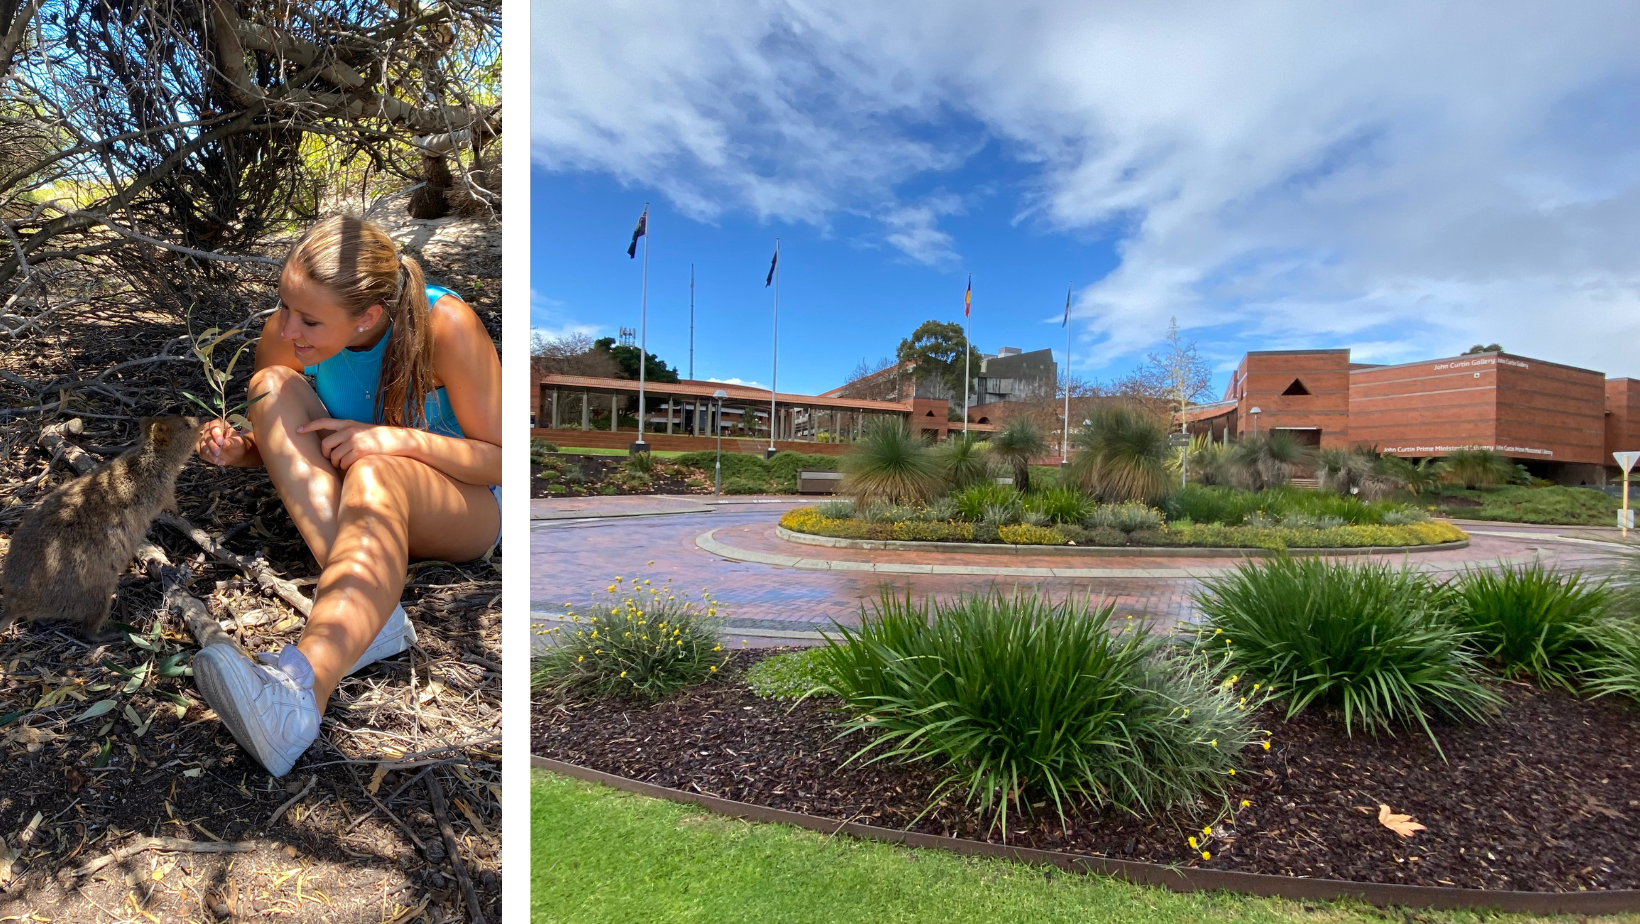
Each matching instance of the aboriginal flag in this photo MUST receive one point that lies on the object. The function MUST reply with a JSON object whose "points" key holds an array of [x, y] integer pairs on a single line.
{"points": [[639, 231]]}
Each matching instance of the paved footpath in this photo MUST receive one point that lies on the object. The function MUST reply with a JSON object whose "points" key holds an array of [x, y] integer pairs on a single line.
{"points": [[770, 589]]}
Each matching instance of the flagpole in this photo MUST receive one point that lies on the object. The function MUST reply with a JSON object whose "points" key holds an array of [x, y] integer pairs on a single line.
{"points": [[967, 348], [691, 321], [643, 326], [1065, 438], [774, 378]]}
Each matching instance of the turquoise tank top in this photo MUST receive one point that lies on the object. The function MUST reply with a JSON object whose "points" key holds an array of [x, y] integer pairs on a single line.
{"points": [[347, 383]]}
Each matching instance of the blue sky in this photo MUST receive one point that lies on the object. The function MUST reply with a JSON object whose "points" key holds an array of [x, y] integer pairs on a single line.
{"points": [[1397, 178]]}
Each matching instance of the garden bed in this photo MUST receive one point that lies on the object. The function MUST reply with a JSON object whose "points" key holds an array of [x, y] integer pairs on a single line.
{"points": [[1542, 800], [1231, 539]]}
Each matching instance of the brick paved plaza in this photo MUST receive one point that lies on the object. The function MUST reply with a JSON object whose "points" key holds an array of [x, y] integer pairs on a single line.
{"points": [[773, 590]]}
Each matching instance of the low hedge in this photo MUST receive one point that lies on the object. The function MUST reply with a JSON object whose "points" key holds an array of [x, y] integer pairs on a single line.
{"points": [[1201, 535]]}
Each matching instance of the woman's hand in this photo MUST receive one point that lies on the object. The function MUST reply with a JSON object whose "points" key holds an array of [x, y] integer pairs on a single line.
{"points": [[221, 444], [349, 440]]}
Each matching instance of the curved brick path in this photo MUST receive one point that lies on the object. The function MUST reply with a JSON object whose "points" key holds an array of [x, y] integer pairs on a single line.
{"points": [[578, 547]]}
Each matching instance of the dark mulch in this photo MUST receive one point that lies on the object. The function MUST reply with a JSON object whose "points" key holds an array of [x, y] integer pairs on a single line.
{"points": [[1547, 799]]}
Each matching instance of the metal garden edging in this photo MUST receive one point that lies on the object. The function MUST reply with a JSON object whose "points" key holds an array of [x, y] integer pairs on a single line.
{"points": [[1177, 879]]}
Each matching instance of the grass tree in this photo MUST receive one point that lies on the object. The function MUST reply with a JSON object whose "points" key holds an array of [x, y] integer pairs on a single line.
{"points": [[1269, 460], [1477, 468], [890, 464], [1018, 442], [964, 459], [1121, 455]]}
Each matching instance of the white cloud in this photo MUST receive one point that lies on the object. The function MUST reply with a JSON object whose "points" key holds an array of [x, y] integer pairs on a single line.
{"points": [[550, 318], [738, 381], [1409, 177]]}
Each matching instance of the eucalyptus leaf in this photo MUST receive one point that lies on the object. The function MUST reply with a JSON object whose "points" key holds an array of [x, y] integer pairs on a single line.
{"points": [[173, 666], [100, 707], [102, 756]]}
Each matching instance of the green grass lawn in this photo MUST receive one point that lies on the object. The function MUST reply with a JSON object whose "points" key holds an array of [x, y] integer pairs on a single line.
{"points": [[602, 855]]}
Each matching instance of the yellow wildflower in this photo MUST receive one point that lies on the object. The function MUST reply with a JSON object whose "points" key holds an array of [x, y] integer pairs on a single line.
{"points": [[1192, 843], [1206, 855], [1266, 745], [1207, 831], [1245, 803]]}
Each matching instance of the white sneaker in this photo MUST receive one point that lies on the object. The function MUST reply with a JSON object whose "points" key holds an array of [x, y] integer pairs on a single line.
{"points": [[394, 637], [269, 706]]}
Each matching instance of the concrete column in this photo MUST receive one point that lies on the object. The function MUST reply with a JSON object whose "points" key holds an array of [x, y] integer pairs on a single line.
{"points": [[614, 412], [586, 410], [555, 408], [668, 416]]}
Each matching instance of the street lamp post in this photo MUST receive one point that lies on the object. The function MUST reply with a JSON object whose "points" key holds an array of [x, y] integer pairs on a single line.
{"points": [[717, 424], [1254, 412]]}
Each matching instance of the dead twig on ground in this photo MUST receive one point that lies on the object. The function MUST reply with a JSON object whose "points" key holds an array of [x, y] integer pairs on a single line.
{"points": [[162, 843], [453, 849]]}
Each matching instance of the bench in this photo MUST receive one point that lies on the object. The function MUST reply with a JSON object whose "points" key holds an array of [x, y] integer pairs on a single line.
{"points": [[818, 482]]}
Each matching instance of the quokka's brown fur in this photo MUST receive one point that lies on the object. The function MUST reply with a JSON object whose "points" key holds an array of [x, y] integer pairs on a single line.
{"points": [[65, 559]]}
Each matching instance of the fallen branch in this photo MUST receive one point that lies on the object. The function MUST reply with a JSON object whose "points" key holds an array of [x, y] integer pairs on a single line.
{"points": [[453, 849], [279, 812], [174, 581], [53, 439], [254, 568], [162, 843]]}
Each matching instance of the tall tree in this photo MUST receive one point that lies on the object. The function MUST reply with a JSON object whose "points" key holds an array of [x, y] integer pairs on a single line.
{"points": [[1176, 374], [626, 359], [935, 349], [193, 125]]}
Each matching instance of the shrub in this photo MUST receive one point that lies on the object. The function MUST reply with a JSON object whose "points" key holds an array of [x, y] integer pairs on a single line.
{"points": [[808, 520], [640, 463], [836, 509], [1126, 517], [887, 513], [1121, 455], [891, 464], [1002, 514], [1531, 620], [1376, 641], [1029, 534], [965, 461], [785, 465], [735, 464], [789, 675], [1018, 442], [539, 449], [1021, 699], [972, 502], [640, 643], [941, 510], [1061, 505], [1556, 505], [741, 485]]}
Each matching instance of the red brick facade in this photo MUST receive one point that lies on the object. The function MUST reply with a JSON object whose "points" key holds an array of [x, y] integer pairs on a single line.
{"points": [[1563, 421]]}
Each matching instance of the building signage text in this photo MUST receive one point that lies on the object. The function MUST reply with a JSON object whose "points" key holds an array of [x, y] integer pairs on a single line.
{"points": [[1482, 361], [1425, 450]]}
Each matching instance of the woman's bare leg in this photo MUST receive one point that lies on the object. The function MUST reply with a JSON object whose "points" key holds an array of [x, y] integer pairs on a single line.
{"points": [[391, 508], [309, 485]]}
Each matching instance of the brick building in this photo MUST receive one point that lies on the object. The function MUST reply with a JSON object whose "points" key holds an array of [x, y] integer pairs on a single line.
{"points": [[1562, 422]]}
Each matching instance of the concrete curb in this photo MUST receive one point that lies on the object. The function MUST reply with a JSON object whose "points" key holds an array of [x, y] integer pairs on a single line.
{"points": [[708, 542], [1090, 551]]}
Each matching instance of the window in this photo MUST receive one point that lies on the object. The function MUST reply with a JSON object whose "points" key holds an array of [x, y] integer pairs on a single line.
{"points": [[1297, 388]]}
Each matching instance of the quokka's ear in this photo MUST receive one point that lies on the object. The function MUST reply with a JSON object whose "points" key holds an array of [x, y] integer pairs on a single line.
{"points": [[153, 430]]}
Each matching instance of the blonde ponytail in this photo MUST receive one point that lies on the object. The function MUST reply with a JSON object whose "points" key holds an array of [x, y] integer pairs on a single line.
{"points": [[356, 262]]}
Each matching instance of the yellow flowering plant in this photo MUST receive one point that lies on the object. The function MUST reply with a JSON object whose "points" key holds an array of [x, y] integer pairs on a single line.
{"points": [[651, 644]]}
